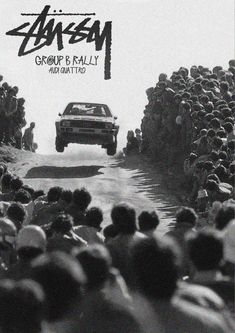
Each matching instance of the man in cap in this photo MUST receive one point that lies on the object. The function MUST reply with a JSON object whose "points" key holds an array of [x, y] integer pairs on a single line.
{"points": [[30, 243]]}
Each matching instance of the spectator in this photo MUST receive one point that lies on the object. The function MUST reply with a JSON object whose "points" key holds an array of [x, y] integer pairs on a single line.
{"points": [[80, 202], [90, 232], [148, 222], [206, 255], [21, 307], [63, 238], [186, 220], [124, 219], [62, 280], [30, 243], [28, 137], [17, 214], [158, 283]]}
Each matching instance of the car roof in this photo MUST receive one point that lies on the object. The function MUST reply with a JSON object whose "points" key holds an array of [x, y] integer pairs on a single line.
{"points": [[87, 103]]}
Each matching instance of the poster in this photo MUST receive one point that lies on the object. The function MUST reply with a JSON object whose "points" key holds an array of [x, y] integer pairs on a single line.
{"points": [[109, 52], [57, 53]]}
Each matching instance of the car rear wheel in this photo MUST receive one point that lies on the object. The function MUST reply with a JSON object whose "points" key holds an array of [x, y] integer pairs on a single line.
{"points": [[59, 145], [111, 149]]}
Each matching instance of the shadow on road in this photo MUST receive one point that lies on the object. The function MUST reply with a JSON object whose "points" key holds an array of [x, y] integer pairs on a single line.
{"points": [[153, 181], [64, 172]]}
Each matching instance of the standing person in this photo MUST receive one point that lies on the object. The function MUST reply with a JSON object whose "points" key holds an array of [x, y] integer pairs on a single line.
{"points": [[11, 108], [132, 146], [124, 219], [28, 137], [19, 123], [2, 113]]}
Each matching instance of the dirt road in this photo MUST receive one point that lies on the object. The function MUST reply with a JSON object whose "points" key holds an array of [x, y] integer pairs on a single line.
{"points": [[109, 180]]}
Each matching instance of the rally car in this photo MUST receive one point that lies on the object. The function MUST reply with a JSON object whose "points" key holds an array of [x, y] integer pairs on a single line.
{"points": [[87, 123]]}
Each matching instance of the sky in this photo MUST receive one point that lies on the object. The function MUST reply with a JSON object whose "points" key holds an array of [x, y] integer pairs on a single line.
{"points": [[148, 37]]}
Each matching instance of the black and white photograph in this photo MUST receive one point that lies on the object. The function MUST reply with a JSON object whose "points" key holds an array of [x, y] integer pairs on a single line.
{"points": [[117, 166]]}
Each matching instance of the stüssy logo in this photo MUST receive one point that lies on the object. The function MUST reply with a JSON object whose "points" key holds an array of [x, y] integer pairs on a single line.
{"points": [[43, 32]]}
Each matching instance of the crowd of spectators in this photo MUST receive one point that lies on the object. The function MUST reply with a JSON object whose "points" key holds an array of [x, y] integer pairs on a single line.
{"points": [[61, 270], [190, 117], [12, 119]]}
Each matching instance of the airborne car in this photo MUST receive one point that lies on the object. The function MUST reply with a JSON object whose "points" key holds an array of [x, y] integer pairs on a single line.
{"points": [[87, 123]]}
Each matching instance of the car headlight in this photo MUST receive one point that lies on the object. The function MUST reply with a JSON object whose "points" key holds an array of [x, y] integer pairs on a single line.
{"points": [[108, 126], [65, 123]]}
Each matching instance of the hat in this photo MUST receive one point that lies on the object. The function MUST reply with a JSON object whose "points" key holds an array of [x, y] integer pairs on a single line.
{"points": [[31, 236], [7, 227], [229, 242]]}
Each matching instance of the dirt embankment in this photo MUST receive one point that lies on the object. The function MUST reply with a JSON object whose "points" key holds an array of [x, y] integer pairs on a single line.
{"points": [[18, 161]]}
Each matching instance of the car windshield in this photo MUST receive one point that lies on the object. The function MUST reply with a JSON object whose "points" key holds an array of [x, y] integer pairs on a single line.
{"points": [[87, 110]]}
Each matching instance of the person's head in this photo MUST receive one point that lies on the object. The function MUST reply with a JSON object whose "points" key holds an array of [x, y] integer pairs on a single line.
{"points": [[30, 242], [32, 125], [162, 77], [216, 69], [37, 194], [214, 156], [214, 177], [220, 171], [28, 189], [110, 231], [96, 263], [177, 99], [22, 196], [16, 184], [130, 135], [205, 249], [124, 218], [6, 182], [62, 279], [154, 262], [21, 101], [66, 196], [54, 193], [228, 127], [217, 142], [94, 217], [81, 198], [203, 132], [210, 133], [211, 186], [224, 87], [223, 155], [192, 157], [62, 224], [224, 216], [7, 231], [148, 221], [186, 215], [215, 123], [21, 306], [208, 166], [11, 92], [17, 213]]}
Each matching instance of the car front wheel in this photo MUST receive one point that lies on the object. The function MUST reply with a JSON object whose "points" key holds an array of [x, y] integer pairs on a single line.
{"points": [[111, 149], [59, 145]]}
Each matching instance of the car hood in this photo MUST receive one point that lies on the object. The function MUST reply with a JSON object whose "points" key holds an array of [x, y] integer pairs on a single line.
{"points": [[87, 118]]}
